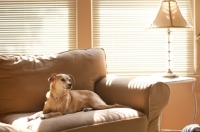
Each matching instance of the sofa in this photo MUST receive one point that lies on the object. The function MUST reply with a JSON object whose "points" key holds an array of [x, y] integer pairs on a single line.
{"points": [[23, 88]]}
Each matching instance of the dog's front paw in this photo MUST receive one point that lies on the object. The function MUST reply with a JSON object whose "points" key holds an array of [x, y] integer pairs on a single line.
{"points": [[42, 116], [29, 119], [45, 116], [87, 109]]}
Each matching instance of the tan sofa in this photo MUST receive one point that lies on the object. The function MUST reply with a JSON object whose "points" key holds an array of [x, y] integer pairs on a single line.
{"points": [[23, 85]]}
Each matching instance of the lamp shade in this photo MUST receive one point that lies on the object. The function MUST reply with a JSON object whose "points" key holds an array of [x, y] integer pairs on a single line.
{"points": [[169, 17]]}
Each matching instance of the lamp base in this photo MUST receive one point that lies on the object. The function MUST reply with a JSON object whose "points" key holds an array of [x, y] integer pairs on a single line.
{"points": [[170, 74]]}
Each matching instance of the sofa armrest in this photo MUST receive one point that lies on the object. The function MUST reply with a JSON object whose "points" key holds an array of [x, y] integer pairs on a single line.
{"points": [[144, 94]]}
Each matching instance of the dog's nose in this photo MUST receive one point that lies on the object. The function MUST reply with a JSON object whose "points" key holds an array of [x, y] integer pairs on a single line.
{"points": [[70, 85]]}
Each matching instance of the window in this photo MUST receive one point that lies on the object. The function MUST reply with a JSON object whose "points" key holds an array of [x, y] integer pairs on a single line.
{"points": [[37, 26], [118, 27]]}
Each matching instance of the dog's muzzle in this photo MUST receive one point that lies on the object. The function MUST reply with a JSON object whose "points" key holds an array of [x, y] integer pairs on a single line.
{"points": [[70, 86]]}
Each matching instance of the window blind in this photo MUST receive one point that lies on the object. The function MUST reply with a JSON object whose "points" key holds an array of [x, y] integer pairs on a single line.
{"points": [[35, 27], [118, 27]]}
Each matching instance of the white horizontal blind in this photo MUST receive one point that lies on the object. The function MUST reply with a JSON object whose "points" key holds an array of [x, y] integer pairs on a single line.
{"points": [[37, 26], [118, 27]]}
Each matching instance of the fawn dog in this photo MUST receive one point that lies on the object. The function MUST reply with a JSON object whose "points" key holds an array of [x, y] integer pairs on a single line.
{"points": [[62, 100]]}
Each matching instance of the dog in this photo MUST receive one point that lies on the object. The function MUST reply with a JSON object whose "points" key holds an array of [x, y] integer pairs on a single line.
{"points": [[62, 100]]}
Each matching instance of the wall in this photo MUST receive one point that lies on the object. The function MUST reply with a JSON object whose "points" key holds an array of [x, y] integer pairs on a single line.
{"points": [[84, 24], [181, 106], [197, 91]]}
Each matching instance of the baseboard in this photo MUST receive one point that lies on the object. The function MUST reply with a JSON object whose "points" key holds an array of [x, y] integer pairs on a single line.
{"points": [[165, 130], [171, 131]]}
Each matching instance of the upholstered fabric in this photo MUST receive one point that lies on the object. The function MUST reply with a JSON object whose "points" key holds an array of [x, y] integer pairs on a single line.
{"points": [[23, 79], [83, 119], [10, 128], [144, 94]]}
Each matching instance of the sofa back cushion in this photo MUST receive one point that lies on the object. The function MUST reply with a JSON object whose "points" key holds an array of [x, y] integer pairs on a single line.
{"points": [[23, 79]]}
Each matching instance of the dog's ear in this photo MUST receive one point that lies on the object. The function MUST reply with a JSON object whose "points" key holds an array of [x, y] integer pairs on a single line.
{"points": [[71, 77], [52, 77]]}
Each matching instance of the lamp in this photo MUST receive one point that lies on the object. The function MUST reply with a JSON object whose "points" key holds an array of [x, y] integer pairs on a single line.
{"points": [[169, 18]]}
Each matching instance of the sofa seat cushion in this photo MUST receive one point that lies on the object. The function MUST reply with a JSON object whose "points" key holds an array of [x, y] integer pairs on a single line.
{"points": [[10, 128], [77, 120]]}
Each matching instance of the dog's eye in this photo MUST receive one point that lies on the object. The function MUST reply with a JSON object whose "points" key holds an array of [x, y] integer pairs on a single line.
{"points": [[63, 80]]}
